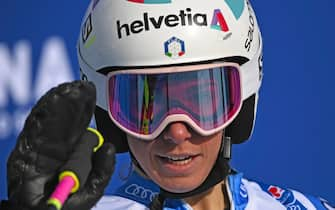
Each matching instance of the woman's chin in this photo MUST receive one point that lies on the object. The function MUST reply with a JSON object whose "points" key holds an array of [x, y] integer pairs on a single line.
{"points": [[179, 186]]}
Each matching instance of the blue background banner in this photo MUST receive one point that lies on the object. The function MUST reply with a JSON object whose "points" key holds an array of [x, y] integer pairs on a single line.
{"points": [[293, 142]]}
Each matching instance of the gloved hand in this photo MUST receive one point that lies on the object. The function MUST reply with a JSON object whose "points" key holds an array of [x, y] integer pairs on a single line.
{"points": [[52, 130]]}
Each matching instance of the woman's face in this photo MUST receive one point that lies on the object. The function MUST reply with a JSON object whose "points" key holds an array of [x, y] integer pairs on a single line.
{"points": [[178, 160]]}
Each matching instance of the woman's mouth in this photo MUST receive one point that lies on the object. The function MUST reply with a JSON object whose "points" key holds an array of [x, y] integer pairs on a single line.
{"points": [[179, 165], [180, 160]]}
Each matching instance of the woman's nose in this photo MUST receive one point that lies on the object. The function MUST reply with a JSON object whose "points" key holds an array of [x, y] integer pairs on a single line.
{"points": [[177, 132]]}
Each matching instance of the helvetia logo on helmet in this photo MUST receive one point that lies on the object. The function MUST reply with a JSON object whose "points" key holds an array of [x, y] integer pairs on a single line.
{"points": [[184, 18]]}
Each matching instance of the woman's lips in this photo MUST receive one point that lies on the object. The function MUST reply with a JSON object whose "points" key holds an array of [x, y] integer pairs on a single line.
{"points": [[178, 165]]}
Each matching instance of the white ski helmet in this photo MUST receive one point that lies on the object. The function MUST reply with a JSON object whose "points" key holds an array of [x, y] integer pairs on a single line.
{"points": [[143, 34]]}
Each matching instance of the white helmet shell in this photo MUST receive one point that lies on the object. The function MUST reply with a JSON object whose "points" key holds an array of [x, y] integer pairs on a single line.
{"points": [[118, 33]]}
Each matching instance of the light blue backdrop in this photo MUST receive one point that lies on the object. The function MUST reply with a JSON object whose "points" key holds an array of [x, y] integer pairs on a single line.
{"points": [[293, 143]]}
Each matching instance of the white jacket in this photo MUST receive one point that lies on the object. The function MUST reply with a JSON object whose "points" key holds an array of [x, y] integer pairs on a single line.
{"points": [[137, 193]]}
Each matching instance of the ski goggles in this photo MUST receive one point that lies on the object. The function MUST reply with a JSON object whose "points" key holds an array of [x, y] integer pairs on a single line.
{"points": [[143, 102]]}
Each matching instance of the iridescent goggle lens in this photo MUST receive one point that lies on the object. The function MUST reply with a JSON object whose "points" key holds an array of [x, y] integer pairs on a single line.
{"points": [[144, 103]]}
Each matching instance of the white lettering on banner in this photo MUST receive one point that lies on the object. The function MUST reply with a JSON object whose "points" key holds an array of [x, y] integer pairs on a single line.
{"points": [[54, 67], [17, 89], [20, 116], [15, 74], [5, 125], [12, 123]]}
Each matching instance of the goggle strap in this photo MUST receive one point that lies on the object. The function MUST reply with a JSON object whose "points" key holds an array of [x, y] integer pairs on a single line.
{"points": [[99, 80]]}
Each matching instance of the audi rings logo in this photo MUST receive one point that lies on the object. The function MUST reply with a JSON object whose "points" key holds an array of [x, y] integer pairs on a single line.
{"points": [[140, 192]]}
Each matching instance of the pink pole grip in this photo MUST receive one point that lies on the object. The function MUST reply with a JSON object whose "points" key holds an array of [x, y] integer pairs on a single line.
{"points": [[63, 189]]}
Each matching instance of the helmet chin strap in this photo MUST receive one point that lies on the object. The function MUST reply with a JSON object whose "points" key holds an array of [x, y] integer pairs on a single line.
{"points": [[219, 172]]}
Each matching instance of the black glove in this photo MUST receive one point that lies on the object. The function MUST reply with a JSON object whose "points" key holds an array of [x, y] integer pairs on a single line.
{"points": [[51, 132]]}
